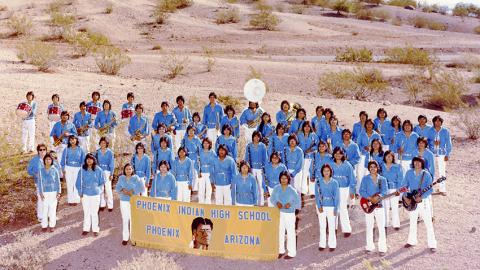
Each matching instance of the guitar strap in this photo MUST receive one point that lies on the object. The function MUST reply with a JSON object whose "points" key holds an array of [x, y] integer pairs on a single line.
{"points": [[421, 182]]}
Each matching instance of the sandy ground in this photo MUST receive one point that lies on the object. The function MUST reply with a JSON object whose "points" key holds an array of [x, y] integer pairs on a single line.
{"points": [[287, 60]]}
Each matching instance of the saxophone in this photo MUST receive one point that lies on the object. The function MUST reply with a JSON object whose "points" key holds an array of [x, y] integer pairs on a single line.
{"points": [[138, 133], [106, 128]]}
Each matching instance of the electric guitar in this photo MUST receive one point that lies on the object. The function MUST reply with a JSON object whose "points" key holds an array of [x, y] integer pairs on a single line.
{"points": [[368, 206], [412, 198]]}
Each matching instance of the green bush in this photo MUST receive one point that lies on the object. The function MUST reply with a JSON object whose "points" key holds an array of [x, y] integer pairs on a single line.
{"points": [[354, 55], [20, 25], [476, 30], [37, 53], [110, 59], [402, 3], [298, 9], [447, 89], [408, 55], [86, 42], [422, 22], [342, 6], [230, 15], [469, 122], [372, 14], [172, 5], [264, 19]]}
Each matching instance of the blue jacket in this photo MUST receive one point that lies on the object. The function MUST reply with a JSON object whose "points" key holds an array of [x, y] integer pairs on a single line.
{"points": [[142, 167], [364, 140], [183, 170], [234, 123], [164, 186], [244, 190], [344, 175], [281, 118], [375, 156], [335, 137], [445, 147], [90, 182], [168, 119], [368, 188], [199, 128], [289, 196], [162, 154], [72, 157], [412, 181], [317, 163], [358, 129], [390, 135], [256, 155], [34, 166], [268, 130], [106, 161], [272, 175], [382, 128], [422, 132], [180, 115], [222, 172], [308, 143], [277, 144], [212, 115], [33, 113], [207, 159], [193, 147], [249, 115], [429, 160], [317, 126], [409, 144], [58, 129], [230, 143], [104, 118], [128, 106], [293, 159], [327, 194], [133, 183], [352, 152], [49, 180], [80, 120], [296, 126], [138, 124], [394, 175], [155, 145]]}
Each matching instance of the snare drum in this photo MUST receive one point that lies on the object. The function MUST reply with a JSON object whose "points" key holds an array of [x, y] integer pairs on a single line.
{"points": [[23, 110], [54, 113], [127, 113], [93, 110]]}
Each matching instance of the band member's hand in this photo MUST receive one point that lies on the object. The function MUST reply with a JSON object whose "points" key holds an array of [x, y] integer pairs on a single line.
{"points": [[335, 213], [42, 197], [213, 187], [366, 148], [190, 187], [312, 180], [287, 206], [446, 158], [279, 205], [352, 196], [266, 194], [418, 199], [59, 195], [357, 196], [111, 177], [320, 210], [397, 193], [374, 199]]}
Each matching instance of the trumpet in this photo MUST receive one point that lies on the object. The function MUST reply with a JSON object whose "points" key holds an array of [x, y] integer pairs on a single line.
{"points": [[104, 130], [292, 113]]}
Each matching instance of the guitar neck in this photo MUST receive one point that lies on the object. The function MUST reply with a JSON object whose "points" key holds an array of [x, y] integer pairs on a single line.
{"points": [[387, 196], [428, 188]]}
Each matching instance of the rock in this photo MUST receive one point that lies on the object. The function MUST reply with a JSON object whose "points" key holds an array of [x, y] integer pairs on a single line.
{"points": [[409, 7], [387, 103], [474, 229]]}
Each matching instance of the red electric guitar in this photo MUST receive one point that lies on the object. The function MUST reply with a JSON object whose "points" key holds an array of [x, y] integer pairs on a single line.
{"points": [[368, 206]]}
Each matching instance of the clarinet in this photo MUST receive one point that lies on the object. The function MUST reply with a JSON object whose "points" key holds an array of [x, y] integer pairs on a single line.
{"points": [[199, 163]]}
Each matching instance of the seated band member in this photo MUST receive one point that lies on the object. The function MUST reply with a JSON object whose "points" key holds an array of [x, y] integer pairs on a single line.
{"points": [[228, 140], [373, 187], [128, 184], [308, 141], [231, 119], [316, 121], [164, 153], [161, 132], [28, 125], [382, 125], [183, 170], [164, 185], [106, 161], [33, 168], [207, 160], [418, 178], [364, 142], [296, 125], [394, 175], [272, 174], [55, 103], [138, 129], [359, 126], [422, 128], [440, 143], [72, 160], [244, 187], [142, 166], [256, 156], [61, 132], [223, 170], [89, 184], [49, 189], [212, 114], [286, 198], [250, 119], [165, 117], [293, 159], [200, 128], [83, 122], [193, 146], [183, 117], [327, 198], [406, 144], [106, 121], [281, 115], [279, 141]]}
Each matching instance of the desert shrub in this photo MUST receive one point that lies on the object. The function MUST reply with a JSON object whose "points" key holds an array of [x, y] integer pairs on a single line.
{"points": [[397, 21], [37, 53], [408, 55], [208, 54], [3, 8], [149, 260], [195, 104], [461, 10], [322, 3], [175, 64], [62, 24], [87, 42], [26, 253], [231, 1], [438, 26], [415, 86], [372, 14], [342, 6], [230, 15], [110, 59], [108, 9], [354, 55], [160, 14], [476, 78], [469, 122], [298, 9], [20, 25], [447, 89], [359, 83], [422, 22], [476, 30], [375, 2], [232, 101], [58, 5], [264, 19], [172, 5], [402, 3], [157, 47]]}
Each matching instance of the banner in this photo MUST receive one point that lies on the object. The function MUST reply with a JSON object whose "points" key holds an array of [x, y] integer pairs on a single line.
{"points": [[214, 230]]}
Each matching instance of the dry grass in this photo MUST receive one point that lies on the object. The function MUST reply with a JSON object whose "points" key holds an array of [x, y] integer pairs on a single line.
{"points": [[208, 54], [298, 9], [172, 5], [157, 47], [20, 25], [409, 55], [108, 8], [62, 25], [264, 19], [110, 59], [476, 30], [175, 64], [469, 122], [58, 5], [230, 100], [354, 55], [397, 21], [447, 89], [229, 15], [415, 86], [468, 61], [402, 3], [422, 22], [87, 42], [476, 77], [194, 104], [149, 260], [372, 14], [26, 253], [38, 53], [342, 6]]}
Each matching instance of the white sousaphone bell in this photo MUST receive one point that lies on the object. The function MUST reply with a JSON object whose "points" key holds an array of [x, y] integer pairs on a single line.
{"points": [[254, 90]]}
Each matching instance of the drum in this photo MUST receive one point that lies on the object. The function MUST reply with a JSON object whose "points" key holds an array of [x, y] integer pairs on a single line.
{"points": [[23, 110], [127, 113], [54, 113], [93, 110]]}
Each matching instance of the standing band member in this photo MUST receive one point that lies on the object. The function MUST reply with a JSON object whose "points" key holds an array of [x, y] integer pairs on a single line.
{"points": [[164, 185], [83, 123], [128, 111], [128, 184], [160, 133], [228, 140], [281, 115], [164, 153], [427, 155], [394, 175], [138, 129], [296, 125], [212, 114], [333, 135], [33, 169], [53, 113], [193, 146], [266, 128], [364, 142], [221, 176], [71, 162], [165, 117], [256, 157], [279, 141], [183, 169], [106, 121], [316, 121], [293, 159], [308, 141], [422, 128], [320, 158], [200, 128], [94, 107], [244, 187], [382, 125], [250, 119], [327, 198], [49, 189], [142, 166], [28, 125], [207, 159], [61, 132], [230, 119], [352, 152], [272, 175], [286, 198], [392, 132], [325, 123], [184, 118], [376, 153], [89, 184], [106, 161], [406, 144], [359, 126], [440, 143]]}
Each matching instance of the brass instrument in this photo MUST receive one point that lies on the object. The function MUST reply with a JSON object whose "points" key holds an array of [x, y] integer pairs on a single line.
{"points": [[59, 140], [257, 120], [138, 133], [82, 129], [292, 113], [104, 130]]}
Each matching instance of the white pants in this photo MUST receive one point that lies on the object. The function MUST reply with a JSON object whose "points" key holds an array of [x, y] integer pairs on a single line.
{"points": [[49, 218], [106, 198], [297, 181], [258, 174], [195, 180], [59, 150], [144, 192], [223, 195], [212, 134], [392, 204], [406, 165], [378, 215], [183, 193], [50, 127], [424, 210], [204, 189], [71, 178], [90, 212], [343, 210], [84, 143], [440, 160], [360, 172], [28, 135], [327, 216], [126, 219], [307, 187], [178, 139], [269, 201], [287, 223], [248, 132], [39, 206]]}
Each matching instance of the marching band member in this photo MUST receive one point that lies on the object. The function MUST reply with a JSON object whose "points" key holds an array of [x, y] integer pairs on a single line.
{"points": [[394, 175], [55, 103], [164, 185], [230, 119], [89, 184], [164, 117], [300, 118], [212, 114], [72, 159], [33, 168], [49, 189], [163, 153], [382, 125], [427, 155], [422, 128], [327, 199], [293, 158], [56, 163], [61, 131], [343, 173], [359, 126], [364, 142], [250, 119], [28, 125], [333, 135], [281, 115], [193, 146], [128, 110], [221, 175], [286, 198], [352, 152], [94, 107], [308, 141], [325, 122], [266, 128], [244, 187], [279, 141], [207, 159], [141, 165], [161, 132], [129, 105], [320, 158], [128, 184], [376, 153], [372, 187], [83, 122], [418, 178], [316, 121], [183, 117], [391, 133], [183, 170], [256, 156], [228, 140], [106, 161], [272, 175], [440, 143], [138, 129], [200, 128], [406, 144], [106, 119]]}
